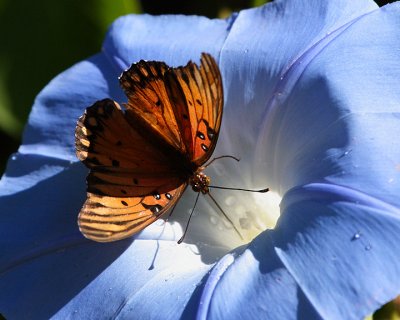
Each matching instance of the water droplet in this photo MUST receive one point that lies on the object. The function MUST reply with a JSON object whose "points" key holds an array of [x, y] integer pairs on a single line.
{"points": [[109, 289], [281, 78], [13, 157], [227, 224], [245, 223], [391, 180], [213, 220], [240, 210], [194, 249], [356, 236], [368, 247], [231, 200], [246, 50]]}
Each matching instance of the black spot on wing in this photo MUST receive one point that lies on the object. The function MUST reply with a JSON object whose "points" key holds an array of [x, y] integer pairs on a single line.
{"points": [[200, 135], [115, 163], [157, 196], [168, 196], [156, 208]]}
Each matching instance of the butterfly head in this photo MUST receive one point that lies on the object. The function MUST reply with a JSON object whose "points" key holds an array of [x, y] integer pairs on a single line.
{"points": [[200, 181]]}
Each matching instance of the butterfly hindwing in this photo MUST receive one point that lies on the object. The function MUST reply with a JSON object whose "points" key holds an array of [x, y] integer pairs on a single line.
{"points": [[105, 219]]}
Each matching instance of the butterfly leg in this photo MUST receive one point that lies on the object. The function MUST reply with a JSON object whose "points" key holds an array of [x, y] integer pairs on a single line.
{"points": [[187, 225], [226, 216]]}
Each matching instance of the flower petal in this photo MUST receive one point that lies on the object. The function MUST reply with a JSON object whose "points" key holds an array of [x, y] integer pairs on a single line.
{"points": [[257, 283], [44, 257], [342, 250], [160, 38], [327, 133], [51, 125]]}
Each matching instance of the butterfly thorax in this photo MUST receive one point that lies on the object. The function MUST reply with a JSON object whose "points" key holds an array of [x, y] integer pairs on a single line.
{"points": [[200, 181]]}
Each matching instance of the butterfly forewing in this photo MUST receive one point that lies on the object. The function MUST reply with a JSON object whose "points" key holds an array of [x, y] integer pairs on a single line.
{"points": [[198, 94], [148, 101], [141, 159]]}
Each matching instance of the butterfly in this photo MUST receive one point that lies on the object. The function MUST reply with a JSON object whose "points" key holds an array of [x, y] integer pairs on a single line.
{"points": [[143, 157]]}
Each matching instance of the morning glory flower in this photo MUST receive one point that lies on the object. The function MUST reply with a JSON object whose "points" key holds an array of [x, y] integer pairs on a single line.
{"points": [[313, 112]]}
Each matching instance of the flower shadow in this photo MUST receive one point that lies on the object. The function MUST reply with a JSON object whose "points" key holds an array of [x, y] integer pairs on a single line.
{"points": [[43, 251]]}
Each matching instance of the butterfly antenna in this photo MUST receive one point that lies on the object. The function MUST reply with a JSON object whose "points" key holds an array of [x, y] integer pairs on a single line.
{"points": [[225, 215], [187, 225], [221, 157], [240, 189]]}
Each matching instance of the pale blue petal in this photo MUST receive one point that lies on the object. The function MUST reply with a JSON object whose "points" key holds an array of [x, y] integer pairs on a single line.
{"points": [[51, 124], [47, 268], [330, 118], [172, 39]]}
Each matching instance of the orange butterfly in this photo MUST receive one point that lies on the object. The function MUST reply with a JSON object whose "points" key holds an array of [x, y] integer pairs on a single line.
{"points": [[142, 159]]}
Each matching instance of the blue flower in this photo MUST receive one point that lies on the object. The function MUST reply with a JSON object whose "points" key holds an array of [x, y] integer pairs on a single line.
{"points": [[312, 108]]}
